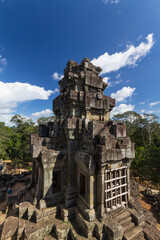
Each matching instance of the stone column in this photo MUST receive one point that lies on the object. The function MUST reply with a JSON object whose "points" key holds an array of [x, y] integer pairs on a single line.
{"points": [[100, 193], [71, 190], [128, 179], [40, 182], [91, 192], [47, 182], [34, 172]]}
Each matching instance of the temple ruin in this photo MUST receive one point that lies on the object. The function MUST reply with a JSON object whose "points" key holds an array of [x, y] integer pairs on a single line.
{"points": [[83, 158], [81, 170]]}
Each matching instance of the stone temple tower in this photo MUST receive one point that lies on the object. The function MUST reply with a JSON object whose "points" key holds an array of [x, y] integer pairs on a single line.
{"points": [[80, 185], [82, 160]]}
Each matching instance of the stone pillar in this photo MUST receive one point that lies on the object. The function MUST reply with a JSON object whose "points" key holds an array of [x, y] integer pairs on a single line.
{"points": [[71, 190], [47, 182], [40, 183], [100, 193], [34, 172], [128, 179], [91, 192]]}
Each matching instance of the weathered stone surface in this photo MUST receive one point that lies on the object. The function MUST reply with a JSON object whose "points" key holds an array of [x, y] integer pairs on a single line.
{"points": [[10, 228], [62, 231], [85, 226], [114, 230], [81, 169], [67, 214], [134, 234], [151, 232], [138, 218], [82, 140]]}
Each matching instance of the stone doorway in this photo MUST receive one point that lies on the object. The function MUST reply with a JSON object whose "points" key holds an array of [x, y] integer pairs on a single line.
{"points": [[56, 184], [82, 185]]}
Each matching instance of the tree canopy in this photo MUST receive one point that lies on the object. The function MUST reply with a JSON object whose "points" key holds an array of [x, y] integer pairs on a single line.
{"points": [[15, 141], [144, 131]]}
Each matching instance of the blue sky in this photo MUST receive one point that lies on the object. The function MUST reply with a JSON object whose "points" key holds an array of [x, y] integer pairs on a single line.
{"points": [[38, 37]]}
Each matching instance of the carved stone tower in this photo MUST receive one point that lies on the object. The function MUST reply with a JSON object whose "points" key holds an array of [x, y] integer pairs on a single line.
{"points": [[81, 171], [82, 160]]}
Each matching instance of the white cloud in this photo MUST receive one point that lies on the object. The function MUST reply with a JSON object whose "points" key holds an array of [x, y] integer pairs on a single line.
{"points": [[121, 109], [112, 84], [57, 76], [7, 105], [150, 112], [122, 94], [20, 92], [118, 76], [106, 79], [56, 90], [130, 57], [140, 37], [44, 113], [154, 103], [111, 1], [6, 110], [6, 119], [13, 93], [142, 103], [3, 63], [142, 111]]}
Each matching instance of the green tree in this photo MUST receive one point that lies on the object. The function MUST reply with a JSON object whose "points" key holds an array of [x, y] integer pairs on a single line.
{"points": [[19, 145], [4, 138], [45, 120], [144, 131]]}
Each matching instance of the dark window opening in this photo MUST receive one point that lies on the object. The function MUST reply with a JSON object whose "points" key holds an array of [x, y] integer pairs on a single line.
{"points": [[56, 182], [124, 198], [123, 172], [82, 185], [123, 181], [123, 189]]}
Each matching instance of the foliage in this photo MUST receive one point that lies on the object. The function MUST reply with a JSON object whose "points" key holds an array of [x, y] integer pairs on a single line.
{"points": [[144, 131], [45, 120], [4, 138], [14, 141]]}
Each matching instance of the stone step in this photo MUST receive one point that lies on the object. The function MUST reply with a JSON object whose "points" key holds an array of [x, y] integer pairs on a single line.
{"points": [[10, 228], [98, 230], [151, 232], [141, 237], [118, 213], [126, 221], [133, 234], [90, 238], [122, 216], [62, 230], [50, 238], [128, 227], [75, 231], [85, 227]]}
